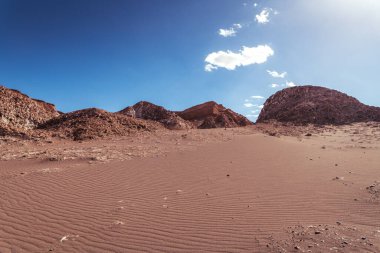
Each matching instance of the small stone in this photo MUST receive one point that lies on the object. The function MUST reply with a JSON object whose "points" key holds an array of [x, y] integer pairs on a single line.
{"points": [[228, 175], [308, 134], [317, 232]]}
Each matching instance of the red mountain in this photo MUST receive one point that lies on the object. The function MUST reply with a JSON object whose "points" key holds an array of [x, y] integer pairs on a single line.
{"points": [[213, 115], [149, 111]]}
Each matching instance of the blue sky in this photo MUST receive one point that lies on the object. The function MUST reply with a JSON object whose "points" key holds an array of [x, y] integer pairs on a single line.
{"points": [[176, 53]]}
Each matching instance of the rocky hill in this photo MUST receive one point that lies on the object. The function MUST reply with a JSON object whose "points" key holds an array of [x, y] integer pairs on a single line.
{"points": [[95, 123], [20, 113], [149, 111], [316, 105], [213, 115]]}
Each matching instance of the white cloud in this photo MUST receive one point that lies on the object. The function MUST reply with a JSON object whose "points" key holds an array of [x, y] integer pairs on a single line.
{"points": [[250, 105], [230, 60], [227, 32], [230, 32], [255, 5], [209, 67], [276, 74], [290, 84], [263, 16], [257, 97], [237, 26], [286, 85], [274, 85]]}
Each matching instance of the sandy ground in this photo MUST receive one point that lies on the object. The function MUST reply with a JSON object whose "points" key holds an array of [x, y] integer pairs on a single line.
{"points": [[254, 189]]}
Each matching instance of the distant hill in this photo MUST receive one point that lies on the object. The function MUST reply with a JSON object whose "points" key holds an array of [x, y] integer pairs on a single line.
{"points": [[213, 115], [149, 111], [316, 105], [26, 117]]}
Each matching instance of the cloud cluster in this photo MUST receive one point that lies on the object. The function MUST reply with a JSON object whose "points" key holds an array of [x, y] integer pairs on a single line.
{"points": [[276, 74], [285, 85], [274, 85], [230, 32], [290, 84], [231, 60], [263, 16], [255, 112], [255, 109], [250, 105]]}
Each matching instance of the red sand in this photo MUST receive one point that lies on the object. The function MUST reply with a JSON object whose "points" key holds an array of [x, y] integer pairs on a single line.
{"points": [[244, 191]]}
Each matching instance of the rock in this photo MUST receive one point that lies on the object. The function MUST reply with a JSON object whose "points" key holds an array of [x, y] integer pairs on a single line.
{"points": [[213, 115], [20, 113], [129, 111], [316, 105]]}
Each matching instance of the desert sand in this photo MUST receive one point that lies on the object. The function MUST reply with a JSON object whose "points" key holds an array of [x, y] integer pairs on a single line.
{"points": [[262, 188]]}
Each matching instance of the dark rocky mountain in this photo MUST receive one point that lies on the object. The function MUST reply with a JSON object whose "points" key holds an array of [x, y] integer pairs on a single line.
{"points": [[316, 105], [94, 123], [20, 113], [149, 111], [213, 115]]}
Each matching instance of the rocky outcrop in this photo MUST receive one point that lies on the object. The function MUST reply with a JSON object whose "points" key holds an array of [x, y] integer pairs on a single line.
{"points": [[95, 123], [316, 105], [128, 111], [149, 111], [213, 115], [20, 113]]}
